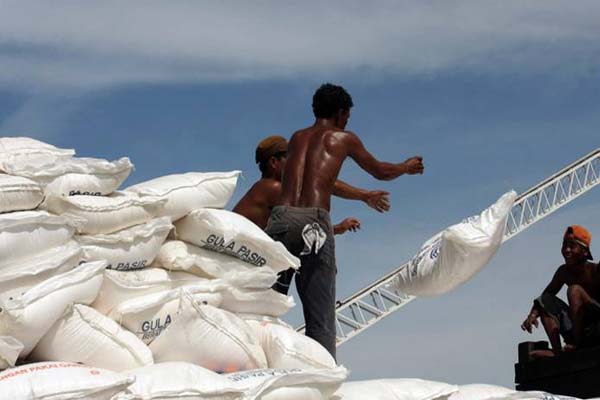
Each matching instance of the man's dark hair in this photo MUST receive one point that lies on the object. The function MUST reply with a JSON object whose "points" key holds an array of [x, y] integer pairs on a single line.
{"points": [[329, 99]]}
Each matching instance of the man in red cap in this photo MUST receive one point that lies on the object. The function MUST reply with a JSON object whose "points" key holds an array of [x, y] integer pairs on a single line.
{"points": [[579, 321], [257, 203]]}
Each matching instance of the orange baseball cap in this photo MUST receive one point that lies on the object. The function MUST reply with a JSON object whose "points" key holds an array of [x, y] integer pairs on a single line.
{"points": [[269, 147], [581, 236]]}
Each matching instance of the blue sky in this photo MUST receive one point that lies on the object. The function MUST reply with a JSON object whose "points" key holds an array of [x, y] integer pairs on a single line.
{"points": [[494, 96]]}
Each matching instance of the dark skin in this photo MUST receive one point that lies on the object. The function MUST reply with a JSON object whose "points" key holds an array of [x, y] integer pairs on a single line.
{"points": [[316, 155], [583, 280], [257, 203]]}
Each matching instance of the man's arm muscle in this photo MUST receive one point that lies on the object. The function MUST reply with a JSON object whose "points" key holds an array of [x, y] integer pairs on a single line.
{"points": [[379, 169]]}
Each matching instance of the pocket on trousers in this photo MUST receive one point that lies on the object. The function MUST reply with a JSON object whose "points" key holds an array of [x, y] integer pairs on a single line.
{"points": [[277, 230]]}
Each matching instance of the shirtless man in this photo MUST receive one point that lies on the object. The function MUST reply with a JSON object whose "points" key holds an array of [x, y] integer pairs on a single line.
{"points": [[576, 322], [301, 220], [257, 203]]}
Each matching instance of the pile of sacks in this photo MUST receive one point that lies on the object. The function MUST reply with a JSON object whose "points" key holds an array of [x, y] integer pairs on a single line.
{"points": [[152, 292]]}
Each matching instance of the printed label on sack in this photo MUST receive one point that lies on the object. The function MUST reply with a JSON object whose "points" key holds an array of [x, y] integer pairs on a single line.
{"points": [[152, 329], [244, 253], [11, 373], [260, 373], [432, 251], [85, 193], [127, 266]]}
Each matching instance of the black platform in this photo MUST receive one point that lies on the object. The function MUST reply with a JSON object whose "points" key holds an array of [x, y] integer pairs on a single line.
{"points": [[572, 374]]}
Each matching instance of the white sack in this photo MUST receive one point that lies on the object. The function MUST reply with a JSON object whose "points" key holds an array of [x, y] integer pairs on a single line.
{"points": [[75, 176], [294, 384], [209, 337], [83, 335], [176, 255], [29, 317], [395, 389], [456, 254], [18, 193], [60, 381], [191, 191], [178, 380], [10, 348], [232, 234], [25, 233], [148, 316], [16, 277], [480, 391], [105, 214], [287, 349], [120, 286], [132, 248], [533, 395], [256, 301], [23, 150]]}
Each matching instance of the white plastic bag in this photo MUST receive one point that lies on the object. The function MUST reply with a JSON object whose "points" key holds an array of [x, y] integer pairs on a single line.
{"points": [[105, 214], [23, 150], [232, 234], [60, 381], [256, 301], [29, 317], [148, 316], [456, 254], [190, 191], [395, 389], [120, 286], [74, 176], [176, 255], [26, 233], [16, 277], [10, 348], [179, 380], [84, 335], [132, 248], [293, 384], [479, 391], [287, 349], [18, 193], [209, 337]]}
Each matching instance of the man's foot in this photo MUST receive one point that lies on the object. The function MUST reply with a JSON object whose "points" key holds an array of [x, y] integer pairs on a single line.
{"points": [[538, 354]]}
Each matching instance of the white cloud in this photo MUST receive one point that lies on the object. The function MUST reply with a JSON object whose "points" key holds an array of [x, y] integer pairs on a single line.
{"points": [[69, 43]]}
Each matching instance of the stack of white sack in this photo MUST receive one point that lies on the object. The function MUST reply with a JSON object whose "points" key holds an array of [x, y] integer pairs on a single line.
{"points": [[45, 275]]}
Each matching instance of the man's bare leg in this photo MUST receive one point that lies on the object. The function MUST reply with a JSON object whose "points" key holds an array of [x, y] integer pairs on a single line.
{"points": [[578, 299], [551, 326]]}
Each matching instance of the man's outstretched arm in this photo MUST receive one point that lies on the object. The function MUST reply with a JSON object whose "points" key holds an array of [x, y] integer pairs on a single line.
{"points": [[376, 199], [379, 169]]}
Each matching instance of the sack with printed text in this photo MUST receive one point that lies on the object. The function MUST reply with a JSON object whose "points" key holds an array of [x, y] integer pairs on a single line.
{"points": [[456, 254], [232, 234], [289, 384]]}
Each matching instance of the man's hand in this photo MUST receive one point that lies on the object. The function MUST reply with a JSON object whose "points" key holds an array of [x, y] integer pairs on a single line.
{"points": [[414, 165], [349, 224], [378, 200], [530, 321]]}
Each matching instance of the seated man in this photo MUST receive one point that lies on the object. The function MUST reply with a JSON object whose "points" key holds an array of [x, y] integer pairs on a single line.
{"points": [[578, 321], [257, 203]]}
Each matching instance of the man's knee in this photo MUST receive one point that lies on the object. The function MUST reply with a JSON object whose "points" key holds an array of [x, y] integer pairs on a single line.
{"points": [[577, 295]]}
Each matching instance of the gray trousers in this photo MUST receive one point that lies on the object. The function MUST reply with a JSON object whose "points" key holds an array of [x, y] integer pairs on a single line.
{"points": [[307, 233]]}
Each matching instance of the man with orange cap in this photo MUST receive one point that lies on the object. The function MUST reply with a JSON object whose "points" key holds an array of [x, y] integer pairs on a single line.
{"points": [[579, 321], [257, 203]]}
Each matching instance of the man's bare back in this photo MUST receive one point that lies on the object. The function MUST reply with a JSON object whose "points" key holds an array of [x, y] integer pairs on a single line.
{"points": [[315, 157]]}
